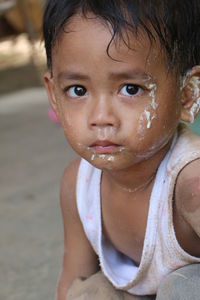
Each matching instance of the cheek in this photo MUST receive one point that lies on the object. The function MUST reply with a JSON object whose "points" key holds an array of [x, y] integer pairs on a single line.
{"points": [[170, 116], [73, 136], [69, 117], [144, 123], [66, 120], [74, 129], [155, 130]]}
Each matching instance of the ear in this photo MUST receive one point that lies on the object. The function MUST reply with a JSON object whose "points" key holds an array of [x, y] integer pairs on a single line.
{"points": [[49, 84], [190, 97]]}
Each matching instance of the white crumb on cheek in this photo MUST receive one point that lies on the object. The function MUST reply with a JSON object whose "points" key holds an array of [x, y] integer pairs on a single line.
{"points": [[147, 115], [152, 94], [105, 157], [101, 156], [148, 118], [121, 149], [111, 158], [145, 120]]}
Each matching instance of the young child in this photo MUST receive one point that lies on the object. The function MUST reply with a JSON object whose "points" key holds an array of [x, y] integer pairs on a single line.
{"points": [[122, 75]]}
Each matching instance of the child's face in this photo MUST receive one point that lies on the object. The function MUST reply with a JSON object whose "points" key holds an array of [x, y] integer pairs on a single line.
{"points": [[116, 111]]}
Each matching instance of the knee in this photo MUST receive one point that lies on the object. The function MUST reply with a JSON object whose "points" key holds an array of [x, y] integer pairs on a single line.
{"points": [[182, 284]]}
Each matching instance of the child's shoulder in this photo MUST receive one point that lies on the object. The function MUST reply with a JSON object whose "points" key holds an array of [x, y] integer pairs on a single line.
{"points": [[187, 202], [186, 161], [68, 187], [188, 180], [188, 187], [185, 150]]}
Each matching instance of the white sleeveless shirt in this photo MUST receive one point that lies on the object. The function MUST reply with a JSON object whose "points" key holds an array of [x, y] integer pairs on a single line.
{"points": [[161, 252]]}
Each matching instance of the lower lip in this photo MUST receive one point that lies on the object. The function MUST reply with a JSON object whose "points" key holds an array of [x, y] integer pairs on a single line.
{"points": [[105, 149]]}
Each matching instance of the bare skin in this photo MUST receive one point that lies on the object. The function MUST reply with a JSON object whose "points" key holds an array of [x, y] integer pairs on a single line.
{"points": [[124, 223], [124, 134], [76, 263], [187, 208]]}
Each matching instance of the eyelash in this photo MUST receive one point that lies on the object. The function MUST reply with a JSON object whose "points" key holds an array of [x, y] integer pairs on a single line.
{"points": [[130, 85], [67, 90], [138, 88]]}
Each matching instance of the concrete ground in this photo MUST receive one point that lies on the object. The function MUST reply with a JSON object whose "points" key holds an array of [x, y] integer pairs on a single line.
{"points": [[33, 154]]}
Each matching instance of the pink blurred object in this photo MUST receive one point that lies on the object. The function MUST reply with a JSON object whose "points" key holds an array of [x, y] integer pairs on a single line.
{"points": [[52, 116]]}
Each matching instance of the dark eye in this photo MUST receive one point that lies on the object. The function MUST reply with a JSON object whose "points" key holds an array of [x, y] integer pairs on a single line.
{"points": [[77, 91], [130, 89]]}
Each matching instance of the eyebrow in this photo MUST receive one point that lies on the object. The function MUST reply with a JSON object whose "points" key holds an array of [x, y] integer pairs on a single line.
{"points": [[69, 75], [130, 74]]}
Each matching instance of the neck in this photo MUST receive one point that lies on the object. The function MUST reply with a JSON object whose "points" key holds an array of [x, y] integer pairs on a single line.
{"points": [[137, 177]]}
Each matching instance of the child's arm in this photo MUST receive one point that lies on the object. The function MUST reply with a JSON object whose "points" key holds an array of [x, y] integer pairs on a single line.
{"points": [[80, 259], [187, 201]]}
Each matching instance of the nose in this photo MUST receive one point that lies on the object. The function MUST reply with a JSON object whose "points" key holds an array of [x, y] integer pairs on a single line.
{"points": [[102, 113]]}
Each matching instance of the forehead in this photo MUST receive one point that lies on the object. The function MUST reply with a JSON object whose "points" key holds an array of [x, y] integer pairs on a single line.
{"points": [[91, 39]]}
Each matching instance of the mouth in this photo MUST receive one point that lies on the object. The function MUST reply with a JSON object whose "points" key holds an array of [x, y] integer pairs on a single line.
{"points": [[104, 147]]}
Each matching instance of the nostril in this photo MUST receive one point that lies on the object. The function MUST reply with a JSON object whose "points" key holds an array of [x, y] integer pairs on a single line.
{"points": [[102, 125]]}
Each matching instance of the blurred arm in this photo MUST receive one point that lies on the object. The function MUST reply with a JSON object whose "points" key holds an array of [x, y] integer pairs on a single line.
{"points": [[79, 259], [188, 205]]}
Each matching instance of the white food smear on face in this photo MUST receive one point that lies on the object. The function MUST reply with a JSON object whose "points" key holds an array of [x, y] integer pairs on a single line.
{"points": [[106, 133], [111, 158], [152, 94], [147, 114], [103, 157], [93, 156], [148, 117], [154, 105]]}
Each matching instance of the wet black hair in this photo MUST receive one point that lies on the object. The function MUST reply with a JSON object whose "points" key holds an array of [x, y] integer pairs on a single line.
{"points": [[175, 23]]}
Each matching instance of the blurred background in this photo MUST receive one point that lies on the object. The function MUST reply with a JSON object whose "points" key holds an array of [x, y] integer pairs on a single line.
{"points": [[33, 154]]}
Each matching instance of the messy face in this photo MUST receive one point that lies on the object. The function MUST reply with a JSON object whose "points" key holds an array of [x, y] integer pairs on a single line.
{"points": [[116, 111]]}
